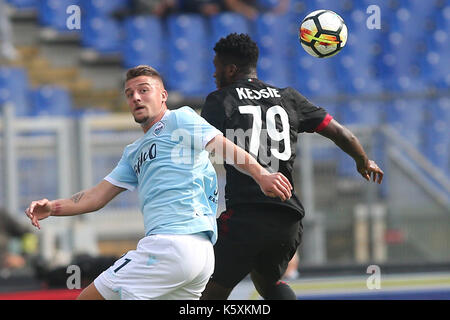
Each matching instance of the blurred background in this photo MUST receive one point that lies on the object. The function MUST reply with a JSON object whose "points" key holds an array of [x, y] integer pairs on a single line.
{"points": [[64, 124]]}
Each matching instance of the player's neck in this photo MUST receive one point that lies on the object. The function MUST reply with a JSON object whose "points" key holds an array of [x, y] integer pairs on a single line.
{"points": [[148, 124], [250, 75]]}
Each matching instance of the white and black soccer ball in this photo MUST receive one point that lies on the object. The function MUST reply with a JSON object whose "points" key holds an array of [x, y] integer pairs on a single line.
{"points": [[323, 33]]}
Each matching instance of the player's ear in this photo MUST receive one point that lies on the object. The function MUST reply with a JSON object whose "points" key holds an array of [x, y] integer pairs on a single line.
{"points": [[164, 95], [231, 70]]}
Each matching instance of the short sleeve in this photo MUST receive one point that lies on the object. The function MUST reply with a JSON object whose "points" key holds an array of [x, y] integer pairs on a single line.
{"points": [[311, 118], [200, 130], [123, 175]]}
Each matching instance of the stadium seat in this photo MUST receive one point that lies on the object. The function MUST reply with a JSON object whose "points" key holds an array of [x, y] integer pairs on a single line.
{"points": [[275, 71], [188, 69], [221, 25], [102, 34], [434, 67], [360, 112], [24, 4], [275, 36], [336, 6], [313, 76], [14, 89], [225, 23], [52, 13], [102, 8], [51, 101], [143, 38]]}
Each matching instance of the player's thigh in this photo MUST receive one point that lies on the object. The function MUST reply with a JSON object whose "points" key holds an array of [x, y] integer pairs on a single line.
{"points": [[149, 272], [234, 257], [273, 260], [90, 293], [198, 262]]}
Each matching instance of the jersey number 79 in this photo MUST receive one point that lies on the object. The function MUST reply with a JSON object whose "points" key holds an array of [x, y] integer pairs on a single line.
{"points": [[272, 131]]}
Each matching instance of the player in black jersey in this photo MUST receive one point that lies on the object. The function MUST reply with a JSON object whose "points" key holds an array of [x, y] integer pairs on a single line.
{"points": [[258, 234]]}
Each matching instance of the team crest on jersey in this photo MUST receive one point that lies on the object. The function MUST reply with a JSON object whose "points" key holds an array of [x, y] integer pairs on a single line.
{"points": [[158, 128]]}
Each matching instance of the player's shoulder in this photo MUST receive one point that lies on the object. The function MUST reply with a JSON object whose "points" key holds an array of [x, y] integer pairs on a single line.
{"points": [[290, 92], [218, 95], [185, 115], [184, 110]]}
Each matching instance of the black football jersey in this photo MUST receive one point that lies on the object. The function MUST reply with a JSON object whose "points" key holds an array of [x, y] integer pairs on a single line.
{"points": [[265, 121]]}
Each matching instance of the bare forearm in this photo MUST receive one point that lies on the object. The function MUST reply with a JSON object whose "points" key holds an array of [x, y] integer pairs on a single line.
{"points": [[245, 162], [79, 203], [350, 144], [237, 156], [345, 140]]}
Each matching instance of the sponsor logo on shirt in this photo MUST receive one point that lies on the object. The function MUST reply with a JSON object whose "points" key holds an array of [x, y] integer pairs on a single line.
{"points": [[143, 156], [158, 128]]}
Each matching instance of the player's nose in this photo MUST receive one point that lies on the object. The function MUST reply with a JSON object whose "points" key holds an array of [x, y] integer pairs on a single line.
{"points": [[136, 97]]}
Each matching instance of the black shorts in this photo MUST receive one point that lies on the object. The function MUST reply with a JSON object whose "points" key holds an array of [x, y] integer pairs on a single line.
{"points": [[261, 238]]}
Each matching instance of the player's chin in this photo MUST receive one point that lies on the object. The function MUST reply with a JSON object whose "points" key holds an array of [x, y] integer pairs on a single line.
{"points": [[140, 119]]}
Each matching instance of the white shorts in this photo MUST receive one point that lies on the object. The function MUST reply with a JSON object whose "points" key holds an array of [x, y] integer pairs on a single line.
{"points": [[167, 267]]}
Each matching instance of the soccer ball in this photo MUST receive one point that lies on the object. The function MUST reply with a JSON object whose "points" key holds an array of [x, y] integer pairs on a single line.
{"points": [[322, 33]]}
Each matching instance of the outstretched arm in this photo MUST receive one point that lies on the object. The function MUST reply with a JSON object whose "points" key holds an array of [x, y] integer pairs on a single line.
{"points": [[348, 142], [85, 201], [272, 184]]}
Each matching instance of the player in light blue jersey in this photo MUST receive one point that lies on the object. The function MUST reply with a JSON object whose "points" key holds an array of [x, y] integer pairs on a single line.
{"points": [[177, 185]]}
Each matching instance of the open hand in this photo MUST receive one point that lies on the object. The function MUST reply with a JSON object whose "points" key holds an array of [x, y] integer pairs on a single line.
{"points": [[370, 169], [38, 210]]}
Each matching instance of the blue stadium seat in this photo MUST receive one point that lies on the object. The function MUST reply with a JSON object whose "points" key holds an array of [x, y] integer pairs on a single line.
{"points": [[102, 8], [102, 34], [275, 71], [360, 112], [355, 72], [336, 6], [24, 4], [51, 101], [52, 13], [223, 24], [276, 36], [313, 76], [14, 89], [189, 57], [434, 65], [143, 37]]}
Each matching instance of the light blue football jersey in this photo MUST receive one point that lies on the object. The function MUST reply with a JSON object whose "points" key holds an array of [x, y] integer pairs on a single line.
{"points": [[176, 181]]}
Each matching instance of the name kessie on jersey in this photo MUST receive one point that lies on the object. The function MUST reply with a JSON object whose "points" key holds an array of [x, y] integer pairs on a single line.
{"points": [[246, 93]]}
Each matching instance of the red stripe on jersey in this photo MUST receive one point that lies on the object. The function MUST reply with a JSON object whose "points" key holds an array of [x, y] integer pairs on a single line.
{"points": [[223, 222], [324, 123]]}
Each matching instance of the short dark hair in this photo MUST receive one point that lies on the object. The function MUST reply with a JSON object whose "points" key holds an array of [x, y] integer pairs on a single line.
{"points": [[142, 70], [238, 49]]}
